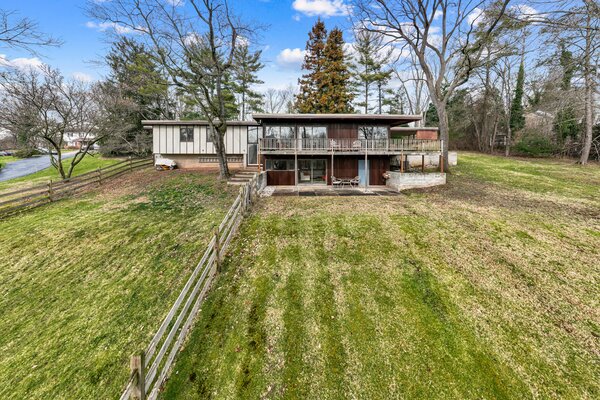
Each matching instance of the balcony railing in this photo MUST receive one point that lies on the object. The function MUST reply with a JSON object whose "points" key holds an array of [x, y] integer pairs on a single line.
{"points": [[325, 145]]}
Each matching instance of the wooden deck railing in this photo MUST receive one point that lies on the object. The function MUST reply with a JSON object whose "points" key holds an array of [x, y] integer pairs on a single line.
{"points": [[150, 367], [349, 145], [17, 200]]}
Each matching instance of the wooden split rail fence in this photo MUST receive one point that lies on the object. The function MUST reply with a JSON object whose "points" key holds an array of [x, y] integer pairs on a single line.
{"points": [[151, 367], [11, 202]]}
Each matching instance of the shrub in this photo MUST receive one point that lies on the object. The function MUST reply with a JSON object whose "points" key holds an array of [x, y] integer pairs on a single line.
{"points": [[535, 145], [26, 152]]}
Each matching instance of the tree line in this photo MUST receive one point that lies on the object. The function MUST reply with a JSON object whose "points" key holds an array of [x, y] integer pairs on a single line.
{"points": [[470, 67]]}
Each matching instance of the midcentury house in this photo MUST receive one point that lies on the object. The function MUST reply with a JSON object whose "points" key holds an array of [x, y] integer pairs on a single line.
{"points": [[304, 149]]}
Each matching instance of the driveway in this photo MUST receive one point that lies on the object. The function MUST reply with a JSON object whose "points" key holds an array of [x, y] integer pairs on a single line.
{"points": [[28, 166]]}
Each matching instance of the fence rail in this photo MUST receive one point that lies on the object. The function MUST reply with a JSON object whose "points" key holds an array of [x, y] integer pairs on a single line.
{"points": [[13, 201], [150, 367]]}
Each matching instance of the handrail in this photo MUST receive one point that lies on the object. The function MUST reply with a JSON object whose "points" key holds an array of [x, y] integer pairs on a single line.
{"points": [[348, 145]]}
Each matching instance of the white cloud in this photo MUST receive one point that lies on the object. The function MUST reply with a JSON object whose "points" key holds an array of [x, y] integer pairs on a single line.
{"points": [[104, 26], [475, 15], [323, 8], [175, 3], [525, 11], [82, 76], [296, 17], [291, 58], [21, 62]]}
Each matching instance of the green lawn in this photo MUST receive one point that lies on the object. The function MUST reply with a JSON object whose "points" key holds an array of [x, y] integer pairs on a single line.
{"points": [[85, 282], [7, 159], [89, 163], [484, 288]]}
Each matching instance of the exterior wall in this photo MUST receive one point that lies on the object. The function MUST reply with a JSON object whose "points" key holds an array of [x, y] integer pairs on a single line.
{"points": [[166, 140], [192, 161], [412, 180], [426, 134], [344, 167], [432, 159]]}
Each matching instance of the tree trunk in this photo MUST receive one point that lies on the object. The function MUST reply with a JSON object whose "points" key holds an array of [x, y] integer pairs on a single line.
{"points": [[219, 142], [589, 95], [508, 140], [444, 131]]}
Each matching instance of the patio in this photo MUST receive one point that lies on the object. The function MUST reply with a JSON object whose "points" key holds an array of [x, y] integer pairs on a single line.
{"points": [[328, 191]]}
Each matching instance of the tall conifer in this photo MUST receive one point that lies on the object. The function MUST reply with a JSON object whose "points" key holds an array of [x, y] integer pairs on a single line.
{"points": [[311, 83], [336, 96]]}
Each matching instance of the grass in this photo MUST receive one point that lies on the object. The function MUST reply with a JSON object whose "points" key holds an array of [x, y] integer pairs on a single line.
{"points": [[89, 163], [484, 288], [85, 282], [7, 159]]}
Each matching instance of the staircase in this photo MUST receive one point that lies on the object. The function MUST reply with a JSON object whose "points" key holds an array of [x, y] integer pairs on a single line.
{"points": [[242, 177]]}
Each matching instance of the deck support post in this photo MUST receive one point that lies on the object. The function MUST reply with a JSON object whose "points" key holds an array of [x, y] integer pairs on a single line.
{"points": [[423, 163], [366, 165], [441, 163], [331, 174], [402, 162], [296, 164]]}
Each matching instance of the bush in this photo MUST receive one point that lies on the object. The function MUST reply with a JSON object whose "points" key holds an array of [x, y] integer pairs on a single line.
{"points": [[535, 145], [26, 152]]}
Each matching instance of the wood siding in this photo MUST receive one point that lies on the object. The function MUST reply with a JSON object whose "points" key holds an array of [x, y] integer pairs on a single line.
{"points": [[165, 140], [377, 167]]}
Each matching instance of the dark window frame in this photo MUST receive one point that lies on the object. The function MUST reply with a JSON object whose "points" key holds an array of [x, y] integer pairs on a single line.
{"points": [[186, 134]]}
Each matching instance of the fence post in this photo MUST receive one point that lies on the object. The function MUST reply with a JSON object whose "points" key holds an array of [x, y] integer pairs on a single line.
{"points": [[217, 249], [137, 368], [99, 171], [441, 163], [50, 190], [130, 164]]}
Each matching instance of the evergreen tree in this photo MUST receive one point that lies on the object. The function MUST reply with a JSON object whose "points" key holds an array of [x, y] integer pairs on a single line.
{"points": [[139, 80], [568, 65], [369, 68], [245, 72], [336, 96], [517, 117], [312, 83]]}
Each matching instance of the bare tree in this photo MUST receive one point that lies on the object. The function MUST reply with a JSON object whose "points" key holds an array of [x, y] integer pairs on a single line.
{"points": [[413, 84], [195, 45], [277, 101], [577, 24], [54, 108], [22, 33], [447, 37]]}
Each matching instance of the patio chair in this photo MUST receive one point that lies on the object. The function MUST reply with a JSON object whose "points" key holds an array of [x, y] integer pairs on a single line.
{"points": [[336, 182], [356, 145], [355, 181], [334, 144]]}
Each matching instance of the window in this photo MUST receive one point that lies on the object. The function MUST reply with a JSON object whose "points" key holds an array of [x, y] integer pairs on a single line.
{"points": [[280, 132], [373, 132], [312, 132], [280, 165], [252, 145], [209, 134], [186, 133]]}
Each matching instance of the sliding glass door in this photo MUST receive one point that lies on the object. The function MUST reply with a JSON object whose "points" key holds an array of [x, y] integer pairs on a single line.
{"points": [[312, 171]]}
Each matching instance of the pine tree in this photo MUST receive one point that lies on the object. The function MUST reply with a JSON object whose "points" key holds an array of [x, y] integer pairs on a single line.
{"points": [[245, 72], [517, 118], [369, 68], [311, 83], [336, 96]]}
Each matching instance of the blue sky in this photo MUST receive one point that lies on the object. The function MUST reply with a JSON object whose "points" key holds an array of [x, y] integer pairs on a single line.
{"points": [[282, 41]]}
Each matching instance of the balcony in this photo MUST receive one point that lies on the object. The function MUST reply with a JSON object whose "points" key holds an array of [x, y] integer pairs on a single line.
{"points": [[349, 146]]}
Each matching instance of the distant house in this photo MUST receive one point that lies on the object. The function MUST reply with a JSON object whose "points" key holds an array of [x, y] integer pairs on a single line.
{"points": [[303, 149], [76, 140]]}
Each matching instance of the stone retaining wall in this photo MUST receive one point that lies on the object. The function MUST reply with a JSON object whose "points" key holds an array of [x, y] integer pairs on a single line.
{"points": [[412, 180]]}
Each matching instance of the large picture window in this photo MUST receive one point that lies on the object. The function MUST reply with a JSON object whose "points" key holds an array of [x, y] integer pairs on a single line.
{"points": [[186, 133], [312, 132], [280, 165], [280, 132], [373, 132]]}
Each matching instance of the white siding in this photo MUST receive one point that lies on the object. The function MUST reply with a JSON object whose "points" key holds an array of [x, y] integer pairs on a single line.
{"points": [[165, 140]]}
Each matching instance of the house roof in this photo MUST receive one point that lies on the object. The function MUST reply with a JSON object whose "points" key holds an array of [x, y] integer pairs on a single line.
{"points": [[148, 123], [392, 119]]}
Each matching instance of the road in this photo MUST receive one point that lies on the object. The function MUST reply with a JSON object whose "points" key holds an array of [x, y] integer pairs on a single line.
{"points": [[28, 166]]}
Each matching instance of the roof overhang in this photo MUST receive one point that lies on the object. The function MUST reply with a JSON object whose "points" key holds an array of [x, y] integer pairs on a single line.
{"points": [[387, 119], [149, 123]]}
